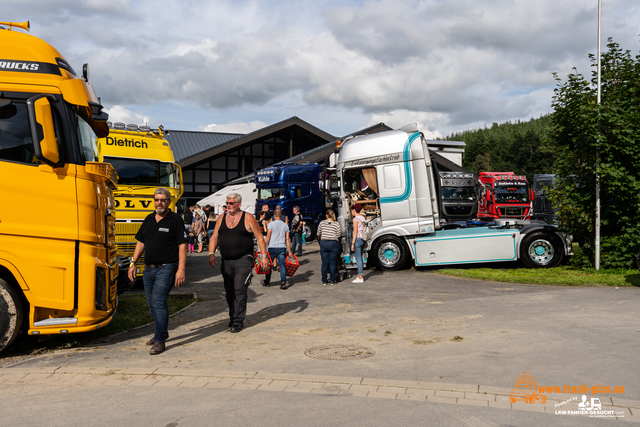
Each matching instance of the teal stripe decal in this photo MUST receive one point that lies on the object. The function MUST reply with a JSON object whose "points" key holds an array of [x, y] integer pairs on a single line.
{"points": [[406, 157]]}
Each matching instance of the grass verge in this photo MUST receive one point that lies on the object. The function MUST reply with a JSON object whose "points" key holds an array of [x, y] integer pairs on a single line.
{"points": [[558, 276], [132, 312]]}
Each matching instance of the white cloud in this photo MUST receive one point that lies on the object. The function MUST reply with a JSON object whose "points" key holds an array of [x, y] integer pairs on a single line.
{"points": [[459, 63], [399, 118], [118, 113], [234, 127]]}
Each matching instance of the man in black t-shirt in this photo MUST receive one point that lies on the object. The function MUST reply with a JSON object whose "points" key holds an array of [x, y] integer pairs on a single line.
{"points": [[163, 239]]}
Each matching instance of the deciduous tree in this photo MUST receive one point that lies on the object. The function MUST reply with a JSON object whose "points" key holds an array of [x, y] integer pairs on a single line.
{"points": [[600, 140]]}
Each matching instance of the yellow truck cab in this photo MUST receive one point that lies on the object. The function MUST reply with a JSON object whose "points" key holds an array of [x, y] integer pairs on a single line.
{"points": [[58, 266], [143, 159]]}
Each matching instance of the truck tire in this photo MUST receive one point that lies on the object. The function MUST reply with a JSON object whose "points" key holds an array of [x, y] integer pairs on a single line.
{"points": [[308, 230], [10, 314], [541, 250], [390, 253]]}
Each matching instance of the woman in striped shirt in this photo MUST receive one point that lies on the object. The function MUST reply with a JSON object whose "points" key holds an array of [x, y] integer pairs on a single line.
{"points": [[329, 237]]}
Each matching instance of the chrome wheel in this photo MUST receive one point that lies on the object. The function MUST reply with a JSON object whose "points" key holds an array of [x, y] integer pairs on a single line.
{"points": [[541, 251], [390, 253]]}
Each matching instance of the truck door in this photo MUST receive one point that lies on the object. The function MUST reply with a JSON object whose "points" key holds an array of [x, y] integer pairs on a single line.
{"points": [[396, 186], [38, 213]]}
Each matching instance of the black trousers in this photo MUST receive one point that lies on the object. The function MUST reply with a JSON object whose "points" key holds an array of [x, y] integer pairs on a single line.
{"points": [[235, 273]]}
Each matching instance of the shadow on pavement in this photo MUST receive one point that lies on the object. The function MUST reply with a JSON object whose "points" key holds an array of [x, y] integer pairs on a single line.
{"points": [[253, 319]]}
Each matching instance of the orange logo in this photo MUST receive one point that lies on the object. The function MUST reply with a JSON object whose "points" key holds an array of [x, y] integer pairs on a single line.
{"points": [[526, 388]]}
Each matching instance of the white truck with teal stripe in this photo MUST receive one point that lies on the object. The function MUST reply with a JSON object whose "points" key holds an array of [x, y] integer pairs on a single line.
{"points": [[390, 175]]}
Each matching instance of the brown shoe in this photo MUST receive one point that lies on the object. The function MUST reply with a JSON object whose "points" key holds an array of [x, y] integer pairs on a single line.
{"points": [[150, 342], [158, 347]]}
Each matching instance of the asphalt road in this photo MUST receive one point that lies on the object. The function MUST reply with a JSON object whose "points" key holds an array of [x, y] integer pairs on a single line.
{"points": [[440, 332]]}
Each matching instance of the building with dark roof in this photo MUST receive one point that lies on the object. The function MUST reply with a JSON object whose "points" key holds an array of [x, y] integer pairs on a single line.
{"points": [[212, 160], [209, 159]]}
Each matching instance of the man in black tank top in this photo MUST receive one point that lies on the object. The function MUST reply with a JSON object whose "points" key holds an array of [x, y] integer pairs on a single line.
{"points": [[234, 235]]}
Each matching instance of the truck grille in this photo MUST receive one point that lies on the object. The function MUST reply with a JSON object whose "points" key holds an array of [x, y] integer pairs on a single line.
{"points": [[512, 212], [458, 210], [127, 228]]}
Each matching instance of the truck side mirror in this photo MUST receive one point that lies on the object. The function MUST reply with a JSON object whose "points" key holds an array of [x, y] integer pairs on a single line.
{"points": [[41, 123]]}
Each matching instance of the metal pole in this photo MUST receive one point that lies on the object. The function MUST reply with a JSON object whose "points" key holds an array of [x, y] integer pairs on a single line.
{"points": [[597, 260]]}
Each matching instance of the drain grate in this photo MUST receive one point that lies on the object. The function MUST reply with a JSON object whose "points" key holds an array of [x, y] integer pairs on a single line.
{"points": [[339, 352]]}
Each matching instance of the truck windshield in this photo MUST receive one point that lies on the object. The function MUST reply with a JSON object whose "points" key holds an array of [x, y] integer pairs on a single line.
{"points": [[143, 172], [270, 193], [510, 194], [458, 193]]}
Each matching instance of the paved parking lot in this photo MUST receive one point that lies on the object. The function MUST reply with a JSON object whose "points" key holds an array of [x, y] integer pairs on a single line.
{"points": [[451, 346]]}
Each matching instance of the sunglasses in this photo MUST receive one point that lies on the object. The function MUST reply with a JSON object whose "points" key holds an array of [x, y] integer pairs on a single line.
{"points": [[232, 203], [160, 200]]}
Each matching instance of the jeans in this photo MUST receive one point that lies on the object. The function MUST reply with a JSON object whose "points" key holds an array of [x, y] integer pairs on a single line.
{"points": [[235, 273], [296, 241], [329, 252], [158, 282], [359, 252], [210, 233], [280, 254]]}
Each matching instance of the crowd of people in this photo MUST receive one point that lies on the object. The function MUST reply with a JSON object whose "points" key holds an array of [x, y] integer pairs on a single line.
{"points": [[167, 238], [199, 223]]}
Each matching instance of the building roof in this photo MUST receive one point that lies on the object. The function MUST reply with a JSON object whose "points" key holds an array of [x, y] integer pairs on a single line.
{"points": [[320, 154], [189, 143], [194, 148]]}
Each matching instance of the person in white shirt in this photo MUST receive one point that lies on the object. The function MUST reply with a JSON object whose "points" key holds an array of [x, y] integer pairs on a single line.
{"points": [[278, 245]]}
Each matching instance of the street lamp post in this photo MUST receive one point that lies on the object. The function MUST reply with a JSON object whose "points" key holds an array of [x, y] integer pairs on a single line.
{"points": [[597, 258]]}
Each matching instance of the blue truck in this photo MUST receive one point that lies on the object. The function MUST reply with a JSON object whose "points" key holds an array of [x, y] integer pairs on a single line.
{"points": [[289, 185]]}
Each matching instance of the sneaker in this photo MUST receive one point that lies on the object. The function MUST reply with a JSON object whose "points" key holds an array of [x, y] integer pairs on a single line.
{"points": [[332, 283], [324, 284], [358, 280], [264, 283], [283, 285]]}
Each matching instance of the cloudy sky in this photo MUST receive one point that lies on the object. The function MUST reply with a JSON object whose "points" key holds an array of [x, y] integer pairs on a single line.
{"points": [[236, 65]]}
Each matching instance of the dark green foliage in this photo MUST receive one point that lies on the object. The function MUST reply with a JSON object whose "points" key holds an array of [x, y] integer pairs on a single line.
{"points": [[582, 131], [522, 147]]}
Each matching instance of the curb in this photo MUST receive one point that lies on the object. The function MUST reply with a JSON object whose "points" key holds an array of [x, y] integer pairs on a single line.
{"points": [[460, 394]]}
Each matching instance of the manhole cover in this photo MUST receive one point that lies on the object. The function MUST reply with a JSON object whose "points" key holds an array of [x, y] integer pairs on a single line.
{"points": [[339, 352]]}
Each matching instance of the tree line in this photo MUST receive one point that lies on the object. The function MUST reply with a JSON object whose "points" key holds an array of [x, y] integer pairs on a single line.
{"points": [[581, 141], [523, 147]]}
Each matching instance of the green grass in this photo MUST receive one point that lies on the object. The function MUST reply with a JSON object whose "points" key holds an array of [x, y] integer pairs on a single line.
{"points": [[132, 312], [559, 276], [566, 275]]}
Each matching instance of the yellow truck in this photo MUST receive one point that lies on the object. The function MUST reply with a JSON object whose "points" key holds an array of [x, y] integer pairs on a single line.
{"points": [[143, 159], [58, 264]]}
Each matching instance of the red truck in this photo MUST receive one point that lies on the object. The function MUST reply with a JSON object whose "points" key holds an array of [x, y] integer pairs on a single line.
{"points": [[504, 195]]}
